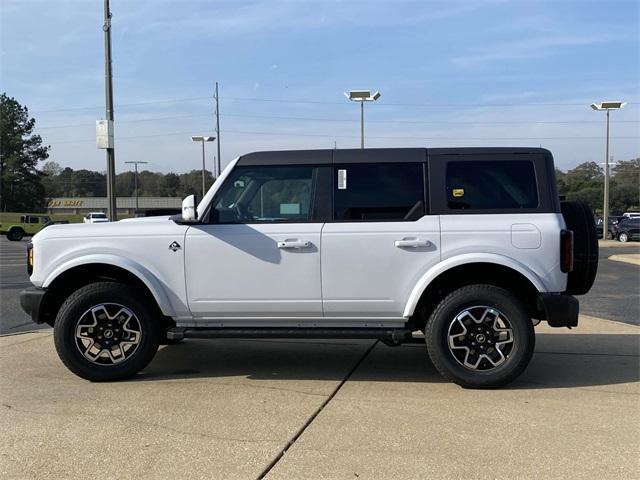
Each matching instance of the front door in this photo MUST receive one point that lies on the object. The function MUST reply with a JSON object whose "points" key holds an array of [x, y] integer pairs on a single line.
{"points": [[259, 255]]}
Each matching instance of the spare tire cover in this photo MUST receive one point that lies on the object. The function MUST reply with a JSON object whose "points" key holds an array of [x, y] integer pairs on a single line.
{"points": [[579, 218]]}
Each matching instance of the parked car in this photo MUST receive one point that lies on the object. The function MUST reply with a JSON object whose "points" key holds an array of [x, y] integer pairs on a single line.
{"points": [[29, 225], [628, 229], [95, 217], [470, 246], [630, 215], [612, 221]]}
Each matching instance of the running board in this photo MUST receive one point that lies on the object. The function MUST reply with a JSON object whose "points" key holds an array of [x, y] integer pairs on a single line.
{"points": [[388, 336]]}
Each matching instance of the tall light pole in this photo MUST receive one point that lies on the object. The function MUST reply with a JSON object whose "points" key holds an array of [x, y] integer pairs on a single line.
{"points": [[135, 178], [111, 155], [202, 139], [607, 106], [362, 96], [217, 97]]}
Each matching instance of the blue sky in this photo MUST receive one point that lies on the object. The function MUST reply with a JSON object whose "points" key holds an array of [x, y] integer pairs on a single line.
{"points": [[469, 73]]}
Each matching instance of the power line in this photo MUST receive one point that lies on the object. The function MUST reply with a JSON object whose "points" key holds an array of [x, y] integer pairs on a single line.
{"points": [[322, 102], [279, 134], [350, 120]]}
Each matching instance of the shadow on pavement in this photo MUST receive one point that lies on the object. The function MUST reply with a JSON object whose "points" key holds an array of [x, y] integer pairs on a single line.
{"points": [[561, 361]]}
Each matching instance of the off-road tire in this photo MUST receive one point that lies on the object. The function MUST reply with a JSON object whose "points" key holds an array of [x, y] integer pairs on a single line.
{"points": [[15, 234], [579, 219], [436, 336], [84, 299]]}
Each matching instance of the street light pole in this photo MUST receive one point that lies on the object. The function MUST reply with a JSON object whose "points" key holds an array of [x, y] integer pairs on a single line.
{"points": [[218, 129], [608, 106], [200, 138], [362, 96], [605, 208], [361, 124], [135, 179]]}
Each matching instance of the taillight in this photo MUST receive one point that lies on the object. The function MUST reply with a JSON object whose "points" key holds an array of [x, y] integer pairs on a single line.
{"points": [[566, 251], [30, 258]]}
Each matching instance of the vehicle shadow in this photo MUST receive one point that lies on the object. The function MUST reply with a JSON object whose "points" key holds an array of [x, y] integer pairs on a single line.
{"points": [[561, 361]]}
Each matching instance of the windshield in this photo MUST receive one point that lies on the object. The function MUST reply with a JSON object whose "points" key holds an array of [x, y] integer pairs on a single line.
{"points": [[99, 215]]}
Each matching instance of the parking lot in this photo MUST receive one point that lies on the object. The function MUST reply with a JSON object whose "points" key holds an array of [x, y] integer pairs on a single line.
{"points": [[284, 409]]}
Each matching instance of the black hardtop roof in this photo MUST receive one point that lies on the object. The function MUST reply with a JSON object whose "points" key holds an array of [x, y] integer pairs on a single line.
{"points": [[373, 155]]}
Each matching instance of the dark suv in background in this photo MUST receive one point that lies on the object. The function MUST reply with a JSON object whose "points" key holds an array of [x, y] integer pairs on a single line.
{"points": [[627, 229]]}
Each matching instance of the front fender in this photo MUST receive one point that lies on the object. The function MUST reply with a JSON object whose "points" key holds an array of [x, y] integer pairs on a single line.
{"points": [[133, 267], [468, 258]]}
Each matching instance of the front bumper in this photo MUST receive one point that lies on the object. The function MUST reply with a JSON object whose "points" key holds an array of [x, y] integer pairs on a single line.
{"points": [[560, 310], [30, 301]]}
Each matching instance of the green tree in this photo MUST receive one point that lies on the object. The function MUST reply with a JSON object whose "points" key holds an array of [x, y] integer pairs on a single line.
{"points": [[21, 186], [50, 179]]}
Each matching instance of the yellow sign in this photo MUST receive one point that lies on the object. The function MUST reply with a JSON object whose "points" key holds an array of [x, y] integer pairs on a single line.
{"points": [[458, 192], [65, 203]]}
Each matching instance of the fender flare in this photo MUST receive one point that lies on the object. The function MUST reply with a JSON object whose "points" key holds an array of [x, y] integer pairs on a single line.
{"points": [[459, 260], [136, 269]]}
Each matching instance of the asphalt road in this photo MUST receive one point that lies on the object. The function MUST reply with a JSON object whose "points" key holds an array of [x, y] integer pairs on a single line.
{"points": [[614, 295]]}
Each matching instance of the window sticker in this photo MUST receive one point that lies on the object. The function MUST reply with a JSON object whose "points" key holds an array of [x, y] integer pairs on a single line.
{"points": [[289, 209], [458, 192], [342, 179]]}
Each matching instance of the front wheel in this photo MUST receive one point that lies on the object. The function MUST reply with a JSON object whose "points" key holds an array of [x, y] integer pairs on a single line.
{"points": [[480, 336], [623, 237], [105, 331]]}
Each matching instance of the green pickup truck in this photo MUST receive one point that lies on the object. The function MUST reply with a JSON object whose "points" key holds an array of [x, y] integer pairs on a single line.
{"points": [[28, 226]]}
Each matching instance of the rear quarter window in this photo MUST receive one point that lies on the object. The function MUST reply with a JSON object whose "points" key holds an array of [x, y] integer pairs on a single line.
{"points": [[491, 185]]}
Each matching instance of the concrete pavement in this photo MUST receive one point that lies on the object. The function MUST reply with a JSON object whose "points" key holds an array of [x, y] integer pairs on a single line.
{"points": [[229, 409]]}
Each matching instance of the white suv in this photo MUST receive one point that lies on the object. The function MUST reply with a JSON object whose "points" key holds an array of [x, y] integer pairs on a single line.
{"points": [[470, 246], [95, 217]]}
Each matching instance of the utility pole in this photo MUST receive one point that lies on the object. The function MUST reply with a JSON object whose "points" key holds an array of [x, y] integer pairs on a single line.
{"points": [[111, 156], [218, 128], [135, 178]]}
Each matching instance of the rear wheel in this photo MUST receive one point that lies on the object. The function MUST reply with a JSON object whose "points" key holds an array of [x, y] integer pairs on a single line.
{"points": [[104, 331], [623, 237], [480, 336], [15, 234]]}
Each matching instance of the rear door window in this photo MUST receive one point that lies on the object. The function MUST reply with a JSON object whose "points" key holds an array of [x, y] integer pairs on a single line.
{"points": [[378, 192], [491, 185]]}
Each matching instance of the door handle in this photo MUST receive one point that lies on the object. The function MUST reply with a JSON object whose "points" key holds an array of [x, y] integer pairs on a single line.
{"points": [[293, 244], [412, 243]]}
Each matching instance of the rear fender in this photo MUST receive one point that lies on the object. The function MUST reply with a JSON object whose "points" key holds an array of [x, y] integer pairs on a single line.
{"points": [[459, 260]]}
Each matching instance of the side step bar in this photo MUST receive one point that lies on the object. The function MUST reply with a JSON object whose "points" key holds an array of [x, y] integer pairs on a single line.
{"points": [[388, 336]]}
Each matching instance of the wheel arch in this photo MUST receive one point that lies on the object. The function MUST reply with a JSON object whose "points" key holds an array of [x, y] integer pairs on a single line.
{"points": [[71, 275], [460, 271]]}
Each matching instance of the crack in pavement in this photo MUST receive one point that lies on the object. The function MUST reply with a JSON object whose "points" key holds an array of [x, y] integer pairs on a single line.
{"points": [[302, 429]]}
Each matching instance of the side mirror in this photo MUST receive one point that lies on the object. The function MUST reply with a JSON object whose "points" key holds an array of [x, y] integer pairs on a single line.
{"points": [[189, 209]]}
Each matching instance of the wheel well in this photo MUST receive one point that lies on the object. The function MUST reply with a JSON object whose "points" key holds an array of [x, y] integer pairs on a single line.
{"points": [[476, 273], [71, 280]]}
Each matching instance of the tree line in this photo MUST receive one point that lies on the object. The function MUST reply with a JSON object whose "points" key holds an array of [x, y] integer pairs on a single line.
{"points": [[67, 182], [24, 187]]}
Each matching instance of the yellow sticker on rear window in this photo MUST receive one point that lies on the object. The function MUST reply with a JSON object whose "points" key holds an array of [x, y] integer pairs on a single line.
{"points": [[458, 192]]}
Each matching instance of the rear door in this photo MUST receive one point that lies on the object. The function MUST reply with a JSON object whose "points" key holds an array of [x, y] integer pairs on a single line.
{"points": [[380, 241]]}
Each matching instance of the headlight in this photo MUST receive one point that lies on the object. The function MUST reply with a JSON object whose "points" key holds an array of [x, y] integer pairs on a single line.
{"points": [[30, 258]]}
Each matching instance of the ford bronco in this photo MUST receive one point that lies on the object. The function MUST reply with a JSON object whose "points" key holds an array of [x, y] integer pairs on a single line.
{"points": [[470, 246]]}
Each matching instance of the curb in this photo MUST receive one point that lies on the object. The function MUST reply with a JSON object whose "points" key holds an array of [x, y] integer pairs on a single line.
{"points": [[632, 258]]}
